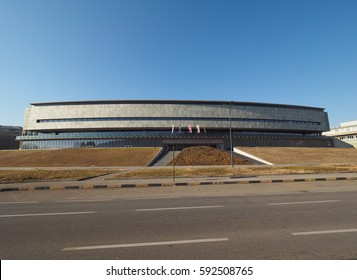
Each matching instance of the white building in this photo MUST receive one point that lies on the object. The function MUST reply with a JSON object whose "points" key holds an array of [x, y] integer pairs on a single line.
{"points": [[347, 132]]}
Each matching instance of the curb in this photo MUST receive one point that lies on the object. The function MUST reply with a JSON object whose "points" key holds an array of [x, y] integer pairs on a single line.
{"points": [[57, 187]]}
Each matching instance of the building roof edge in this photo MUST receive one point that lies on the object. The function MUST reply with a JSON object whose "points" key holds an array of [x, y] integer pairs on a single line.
{"points": [[168, 101]]}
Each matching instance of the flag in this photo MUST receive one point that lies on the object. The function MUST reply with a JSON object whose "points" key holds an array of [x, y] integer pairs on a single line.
{"points": [[198, 128], [189, 128], [173, 128]]}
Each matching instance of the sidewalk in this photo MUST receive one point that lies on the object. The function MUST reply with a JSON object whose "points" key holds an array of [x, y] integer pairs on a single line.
{"points": [[101, 183]]}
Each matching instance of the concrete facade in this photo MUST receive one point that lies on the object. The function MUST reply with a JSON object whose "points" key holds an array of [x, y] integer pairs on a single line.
{"points": [[346, 132], [168, 119], [249, 116]]}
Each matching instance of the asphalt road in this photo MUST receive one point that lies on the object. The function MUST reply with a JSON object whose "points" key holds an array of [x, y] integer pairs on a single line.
{"points": [[316, 220]]}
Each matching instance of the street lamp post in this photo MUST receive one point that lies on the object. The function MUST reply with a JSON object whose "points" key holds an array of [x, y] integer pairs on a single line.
{"points": [[173, 165], [230, 132]]}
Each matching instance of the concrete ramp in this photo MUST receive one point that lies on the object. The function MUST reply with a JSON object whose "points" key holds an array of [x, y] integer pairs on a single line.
{"points": [[164, 158], [303, 155], [251, 157]]}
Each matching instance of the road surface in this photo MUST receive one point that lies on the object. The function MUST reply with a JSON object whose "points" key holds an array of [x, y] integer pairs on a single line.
{"points": [[311, 220]]}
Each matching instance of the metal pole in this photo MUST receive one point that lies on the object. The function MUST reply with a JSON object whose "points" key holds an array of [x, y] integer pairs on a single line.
{"points": [[230, 132], [173, 164]]}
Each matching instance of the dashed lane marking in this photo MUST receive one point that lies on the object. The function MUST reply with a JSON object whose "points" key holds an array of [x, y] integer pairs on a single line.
{"points": [[304, 202], [84, 200], [18, 202], [147, 244], [179, 208], [46, 214], [325, 231]]}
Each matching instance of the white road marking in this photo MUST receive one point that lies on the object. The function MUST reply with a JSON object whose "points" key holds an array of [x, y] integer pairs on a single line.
{"points": [[84, 200], [220, 195], [179, 208], [152, 197], [178, 242], [325, 232], [46, 214], [304, 202], [186, 196], [282, 193], [19, 202]]}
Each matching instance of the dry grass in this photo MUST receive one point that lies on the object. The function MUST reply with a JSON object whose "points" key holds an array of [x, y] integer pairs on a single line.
{"points": [[203, 155], [78, 157], [21, 176], [285, 155], [238, 171], [18, 176]]}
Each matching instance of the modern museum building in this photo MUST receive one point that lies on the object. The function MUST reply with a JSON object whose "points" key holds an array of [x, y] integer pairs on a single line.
{"points": [[168, 123]]}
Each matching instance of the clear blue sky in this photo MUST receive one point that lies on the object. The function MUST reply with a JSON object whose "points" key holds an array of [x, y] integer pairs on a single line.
{"points": [[300, 52]]}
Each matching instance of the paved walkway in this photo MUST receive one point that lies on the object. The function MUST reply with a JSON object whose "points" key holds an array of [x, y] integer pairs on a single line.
{"points": [[103, 182]]}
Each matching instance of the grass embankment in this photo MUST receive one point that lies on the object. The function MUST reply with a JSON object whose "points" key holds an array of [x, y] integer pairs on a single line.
{"points": [[21, 176], [203, 155], [78, 157], [238, 171], [290, 155]]}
